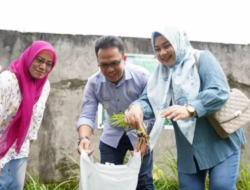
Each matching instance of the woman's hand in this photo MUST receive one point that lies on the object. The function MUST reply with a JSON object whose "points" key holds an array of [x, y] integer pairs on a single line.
{"points": [[134, 116], [176, 113]]}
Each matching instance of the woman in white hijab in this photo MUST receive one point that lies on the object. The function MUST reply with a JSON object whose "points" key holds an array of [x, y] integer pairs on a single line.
{"points": [[181, 91]]}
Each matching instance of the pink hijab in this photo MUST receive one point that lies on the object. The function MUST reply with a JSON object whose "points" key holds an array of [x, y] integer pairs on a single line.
{"points": [[31, 90]]}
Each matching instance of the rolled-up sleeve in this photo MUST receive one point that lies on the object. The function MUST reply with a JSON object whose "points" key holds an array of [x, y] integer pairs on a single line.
{"points": [[143, 101], [215, 90], [89, 107]]}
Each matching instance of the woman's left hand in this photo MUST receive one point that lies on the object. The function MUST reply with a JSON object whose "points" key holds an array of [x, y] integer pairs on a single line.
{"points": [[176, 113]]}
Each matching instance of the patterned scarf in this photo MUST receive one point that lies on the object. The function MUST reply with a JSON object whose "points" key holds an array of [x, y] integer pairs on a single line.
{"points": [[177, 84]]}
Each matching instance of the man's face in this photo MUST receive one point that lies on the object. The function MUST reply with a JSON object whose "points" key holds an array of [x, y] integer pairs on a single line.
{"points": [[111, 63]]}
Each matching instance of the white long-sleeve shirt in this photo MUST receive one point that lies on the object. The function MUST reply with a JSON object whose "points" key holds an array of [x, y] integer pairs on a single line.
{"points": [[10, 99]]}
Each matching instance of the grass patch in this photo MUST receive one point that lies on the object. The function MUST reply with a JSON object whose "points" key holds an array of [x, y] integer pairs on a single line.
{"points": [[162, 180]]}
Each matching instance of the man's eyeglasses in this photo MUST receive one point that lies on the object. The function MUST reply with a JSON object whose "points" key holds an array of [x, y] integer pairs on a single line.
{"points": [[42, 61], [112, 64]]}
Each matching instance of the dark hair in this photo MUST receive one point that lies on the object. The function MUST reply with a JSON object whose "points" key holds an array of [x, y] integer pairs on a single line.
{"points": [[107, 42]]}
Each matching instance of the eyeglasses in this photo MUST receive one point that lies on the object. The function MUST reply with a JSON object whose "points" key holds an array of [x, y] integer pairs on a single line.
{"points": [[42, 61], [112, 64]]}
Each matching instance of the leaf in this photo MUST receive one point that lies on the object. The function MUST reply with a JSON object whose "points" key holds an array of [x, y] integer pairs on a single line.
{"points": [[118, 120]]}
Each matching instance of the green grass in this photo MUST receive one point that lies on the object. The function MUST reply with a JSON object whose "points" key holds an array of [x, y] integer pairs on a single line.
{"points": [[35, 184], [71, 183], [244, 183], [162, 181], [169, 180]]}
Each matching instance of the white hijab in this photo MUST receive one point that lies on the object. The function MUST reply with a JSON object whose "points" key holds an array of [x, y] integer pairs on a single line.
{"points": [[179, 83]]}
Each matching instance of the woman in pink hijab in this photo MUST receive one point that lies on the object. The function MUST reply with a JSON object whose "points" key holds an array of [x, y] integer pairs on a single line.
{"points": [[24, 89]]}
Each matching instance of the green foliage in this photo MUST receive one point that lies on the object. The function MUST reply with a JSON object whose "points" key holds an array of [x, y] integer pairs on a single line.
{"points": [[166, 181], [118, 120], [162, 181], [34, 184], [243, 183], [169, 180], [71, 183]]}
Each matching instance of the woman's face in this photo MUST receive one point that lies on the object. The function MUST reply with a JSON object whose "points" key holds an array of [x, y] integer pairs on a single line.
{"points": [[164, 51], [41, 65]]}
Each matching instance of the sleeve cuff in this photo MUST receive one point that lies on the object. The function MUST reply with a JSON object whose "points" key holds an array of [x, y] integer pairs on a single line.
{"points": [[200, 110], [147, 112], [85, 121]]}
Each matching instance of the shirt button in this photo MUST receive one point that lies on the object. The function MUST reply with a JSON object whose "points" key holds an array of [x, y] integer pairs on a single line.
{"points": [[117, 100]]}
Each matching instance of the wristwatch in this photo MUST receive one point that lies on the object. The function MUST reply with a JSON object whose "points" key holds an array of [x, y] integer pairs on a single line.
{"points": [[83, 137], [190, 110]]}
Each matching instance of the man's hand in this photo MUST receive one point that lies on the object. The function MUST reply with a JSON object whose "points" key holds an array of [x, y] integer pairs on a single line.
{"points": [[84, 130], [85, 144], [143, 151], [134, 116]]}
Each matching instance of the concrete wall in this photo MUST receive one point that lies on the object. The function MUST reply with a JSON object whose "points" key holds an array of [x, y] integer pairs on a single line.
{"points": [[77, 62]]}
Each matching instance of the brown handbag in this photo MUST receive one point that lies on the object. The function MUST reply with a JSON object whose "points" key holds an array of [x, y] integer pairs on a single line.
{"points": [[233, 115]]}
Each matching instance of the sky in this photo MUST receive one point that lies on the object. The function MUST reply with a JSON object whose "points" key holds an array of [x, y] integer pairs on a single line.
{"points": [[223, 21]]}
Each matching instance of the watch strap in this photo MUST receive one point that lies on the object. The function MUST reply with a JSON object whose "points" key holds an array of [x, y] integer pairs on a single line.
{"points": [[192, 114], [82, 137]]}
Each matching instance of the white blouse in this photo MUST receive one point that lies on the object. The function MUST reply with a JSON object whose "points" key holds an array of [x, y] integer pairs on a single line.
{"points": [[10, 98]]}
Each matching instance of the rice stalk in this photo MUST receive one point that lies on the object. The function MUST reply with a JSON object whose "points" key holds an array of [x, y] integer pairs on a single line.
{"points": [[142, 143]]}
